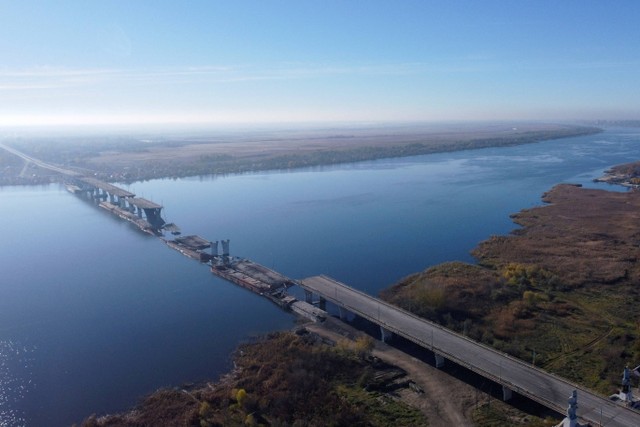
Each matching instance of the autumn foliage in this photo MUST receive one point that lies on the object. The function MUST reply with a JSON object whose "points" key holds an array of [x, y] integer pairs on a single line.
{"points": [[562, 287]]}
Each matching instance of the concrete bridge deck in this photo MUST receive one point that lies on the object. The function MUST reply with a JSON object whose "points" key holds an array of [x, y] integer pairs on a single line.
{"points": [[512, 373], [144, 203], [109, 188]]}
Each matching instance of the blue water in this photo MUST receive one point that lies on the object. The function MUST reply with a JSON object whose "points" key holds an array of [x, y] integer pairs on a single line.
{"points": [[94, 314]]}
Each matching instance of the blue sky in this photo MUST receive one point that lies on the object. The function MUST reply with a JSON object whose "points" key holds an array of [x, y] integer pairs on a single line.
{"points": [[226, 62]]}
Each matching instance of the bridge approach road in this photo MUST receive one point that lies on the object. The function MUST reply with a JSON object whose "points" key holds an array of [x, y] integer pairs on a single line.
{"points": [[534, 383]]}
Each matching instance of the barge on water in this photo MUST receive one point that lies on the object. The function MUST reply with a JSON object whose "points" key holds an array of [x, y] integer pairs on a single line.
{"points": [[256, 278], [191, 246]]}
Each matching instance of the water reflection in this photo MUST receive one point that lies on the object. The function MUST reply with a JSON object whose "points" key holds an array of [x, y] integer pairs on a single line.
{"points": [[16, 381]]}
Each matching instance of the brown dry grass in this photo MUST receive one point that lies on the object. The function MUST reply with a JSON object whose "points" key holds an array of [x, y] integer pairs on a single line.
{"points": [[284, 380], [564, 287], [583, 235]]}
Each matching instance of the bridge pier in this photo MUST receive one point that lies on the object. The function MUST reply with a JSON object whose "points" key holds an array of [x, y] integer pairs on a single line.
{"points": [[225, 247], [507, 394], [439, 360], [344, 314], [322, 304], [385, 334], [308, 296]]}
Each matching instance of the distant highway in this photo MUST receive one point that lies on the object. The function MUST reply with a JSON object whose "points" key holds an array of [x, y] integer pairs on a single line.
{"points": [[40, 163], [536, 384]]}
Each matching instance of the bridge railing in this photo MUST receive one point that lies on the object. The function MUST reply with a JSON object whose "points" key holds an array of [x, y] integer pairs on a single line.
{"points": [[496, 378]]}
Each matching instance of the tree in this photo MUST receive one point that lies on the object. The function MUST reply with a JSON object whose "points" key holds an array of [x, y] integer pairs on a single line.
{"points": [[364, 346], [241, 396]]}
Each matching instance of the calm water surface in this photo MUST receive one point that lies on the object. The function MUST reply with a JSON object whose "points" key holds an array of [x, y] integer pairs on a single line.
{"points": [[94, 314]]}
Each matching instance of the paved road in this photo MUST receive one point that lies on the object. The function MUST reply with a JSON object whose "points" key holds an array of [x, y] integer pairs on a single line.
{"points": [[520, 377], [40, 163]]}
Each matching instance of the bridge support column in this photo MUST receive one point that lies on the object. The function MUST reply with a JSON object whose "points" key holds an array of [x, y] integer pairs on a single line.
{"points": [[344, 313], [308, 296], [322, 304], [507, 394], [439, 360], [385, 334], [139, 212], [112, 199]]}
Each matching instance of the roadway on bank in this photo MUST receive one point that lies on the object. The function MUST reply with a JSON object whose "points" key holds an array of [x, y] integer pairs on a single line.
{"points": [[536, 384], [39, 163]]}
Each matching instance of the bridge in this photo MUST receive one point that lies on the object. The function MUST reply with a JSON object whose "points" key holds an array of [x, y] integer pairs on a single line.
{"points": [[513, 374], [142, 212], [40, 163]]}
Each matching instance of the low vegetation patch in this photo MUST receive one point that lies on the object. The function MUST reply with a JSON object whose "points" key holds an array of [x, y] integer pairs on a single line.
{"points": [[282, 380], [499, 414]]}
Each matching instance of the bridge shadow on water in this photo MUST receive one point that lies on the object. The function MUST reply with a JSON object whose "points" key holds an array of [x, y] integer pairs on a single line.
{"points": [[490, 389]]}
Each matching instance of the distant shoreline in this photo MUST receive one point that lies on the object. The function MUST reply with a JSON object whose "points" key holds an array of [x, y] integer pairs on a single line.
{"points": [[129, 159]]}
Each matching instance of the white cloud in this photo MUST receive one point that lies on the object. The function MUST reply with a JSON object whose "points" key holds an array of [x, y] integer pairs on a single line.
{"points": [[55, 77]]}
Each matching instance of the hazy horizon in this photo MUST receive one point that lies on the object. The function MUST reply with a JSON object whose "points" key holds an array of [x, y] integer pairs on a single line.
{"points": [[136, 64], [201, 130]]}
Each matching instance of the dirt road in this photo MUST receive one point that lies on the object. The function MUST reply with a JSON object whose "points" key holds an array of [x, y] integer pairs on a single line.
{"points": [[446, 401]]}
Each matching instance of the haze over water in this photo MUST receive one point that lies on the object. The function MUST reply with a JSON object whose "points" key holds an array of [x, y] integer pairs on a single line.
{"points": [[95, 314]]}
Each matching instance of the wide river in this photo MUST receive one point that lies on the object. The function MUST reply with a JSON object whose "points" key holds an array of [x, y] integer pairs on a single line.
{"points": [[95, 314]]}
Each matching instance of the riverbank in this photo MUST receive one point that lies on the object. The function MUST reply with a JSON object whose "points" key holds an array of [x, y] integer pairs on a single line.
{"points": [[627, 175], [344, 373], [129, 158], [299, 378], [559, 292]]}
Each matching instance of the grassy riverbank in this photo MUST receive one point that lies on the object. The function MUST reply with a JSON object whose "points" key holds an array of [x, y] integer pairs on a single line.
{"points": [[561, 291], [283, 380]]}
